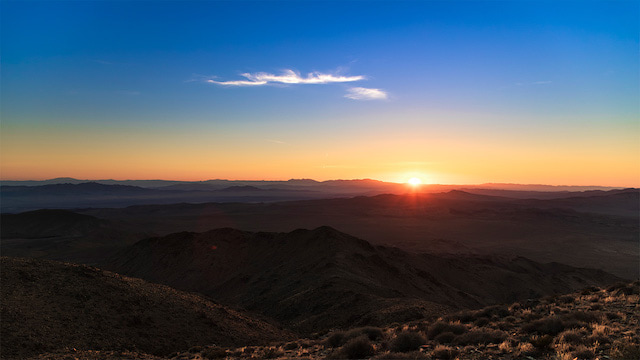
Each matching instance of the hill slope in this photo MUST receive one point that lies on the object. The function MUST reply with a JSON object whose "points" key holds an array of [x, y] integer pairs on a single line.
{"points": [[314, 280], [48, 306]]}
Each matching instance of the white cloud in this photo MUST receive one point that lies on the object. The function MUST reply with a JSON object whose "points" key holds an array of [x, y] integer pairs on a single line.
{"points": [[287, 77], [360, 93]]}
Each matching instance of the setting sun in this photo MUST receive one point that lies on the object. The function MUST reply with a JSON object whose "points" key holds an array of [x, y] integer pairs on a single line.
{"points": [[414, 181]]}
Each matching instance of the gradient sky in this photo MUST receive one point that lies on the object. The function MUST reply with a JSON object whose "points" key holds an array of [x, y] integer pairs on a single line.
{"points": [[451, 92]]}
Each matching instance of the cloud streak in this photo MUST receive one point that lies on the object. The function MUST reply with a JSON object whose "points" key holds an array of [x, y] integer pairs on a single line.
{"points": [[287, 77], [360, 93]]}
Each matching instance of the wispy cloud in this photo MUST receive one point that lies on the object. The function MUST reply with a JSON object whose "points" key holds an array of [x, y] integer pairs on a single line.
{"points": [[360, 93], [287, 77]]}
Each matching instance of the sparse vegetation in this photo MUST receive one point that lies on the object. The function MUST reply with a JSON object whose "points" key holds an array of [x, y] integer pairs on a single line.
{"points": [[407, 341], [357, 348]]}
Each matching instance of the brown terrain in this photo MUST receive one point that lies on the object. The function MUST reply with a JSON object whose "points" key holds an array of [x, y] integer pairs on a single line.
{"points": [[314, 280], [51, 306], [586, 231], [417, 288]]}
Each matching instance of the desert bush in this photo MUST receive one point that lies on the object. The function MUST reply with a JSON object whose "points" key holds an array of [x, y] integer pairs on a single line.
{"points": [[503, 325], [414, 355], [582, 316], [439, 327], [625, 351], [214, 353], [505, 347], [291, 345], [336, 339], [541, 342], [550, 325], [515, 307], [481, 321], [357, 348], [474, 337], [444, 352], [583, 353], [565, 299], [624, 289], [465, 316], [407, 341], [272, 353], [373, 333], [589, 290], [613, 315], [573, 337], [496, 311], [526, 349], [445, 337]]}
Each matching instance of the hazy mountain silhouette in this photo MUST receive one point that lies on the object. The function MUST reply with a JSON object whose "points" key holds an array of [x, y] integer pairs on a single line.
{"points": [[63, 235], [598, 231], [313, 280]]}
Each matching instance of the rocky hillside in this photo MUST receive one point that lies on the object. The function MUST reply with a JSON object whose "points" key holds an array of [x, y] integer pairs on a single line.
{"points": [[50, 306], [314, 280]]}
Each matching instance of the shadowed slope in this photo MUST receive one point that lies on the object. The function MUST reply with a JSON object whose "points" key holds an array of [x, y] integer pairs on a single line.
{"points": [[314, 280], [48, 306]]}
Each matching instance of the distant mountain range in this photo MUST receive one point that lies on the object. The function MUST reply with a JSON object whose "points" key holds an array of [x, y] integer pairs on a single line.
{"points": [[68, 193], [600, 230]]}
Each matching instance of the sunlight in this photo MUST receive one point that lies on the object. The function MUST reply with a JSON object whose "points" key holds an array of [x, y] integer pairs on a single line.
{"points": [[414, 181]]}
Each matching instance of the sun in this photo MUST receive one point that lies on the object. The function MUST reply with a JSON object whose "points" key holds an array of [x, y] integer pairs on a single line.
{"points": [[414, 181]]}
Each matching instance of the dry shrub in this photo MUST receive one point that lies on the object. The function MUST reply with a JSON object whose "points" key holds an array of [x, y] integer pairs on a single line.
{"points": [[415, 355], [445, 337], [357, 348], [625, 351], [613, 315], [291, 346], [336, 339], [526, 349], [515, 307], [373, 333], [465, 316], [439, 327], [583, 316], [474, 337], [550, 325], [214, 353], [505, 347], [541, 342], [565, 299], [407, 341], [495, 311], [573, 337], [272, 353], [444, 352], [583, 353], [480, 322]]}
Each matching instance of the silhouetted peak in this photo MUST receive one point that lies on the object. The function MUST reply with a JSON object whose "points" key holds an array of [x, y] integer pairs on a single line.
{"points": [[241, 188]]}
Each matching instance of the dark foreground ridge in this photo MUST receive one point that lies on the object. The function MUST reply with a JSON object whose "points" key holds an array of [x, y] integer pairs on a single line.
{"points": [[316, 280], [594, 323], [50, 306]]}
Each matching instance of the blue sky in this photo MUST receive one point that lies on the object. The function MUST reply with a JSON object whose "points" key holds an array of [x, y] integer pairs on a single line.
{"points": [[509, 77]]}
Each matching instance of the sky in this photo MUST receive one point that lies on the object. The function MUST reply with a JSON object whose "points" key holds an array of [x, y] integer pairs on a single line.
{"points": [[458, 92]]}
